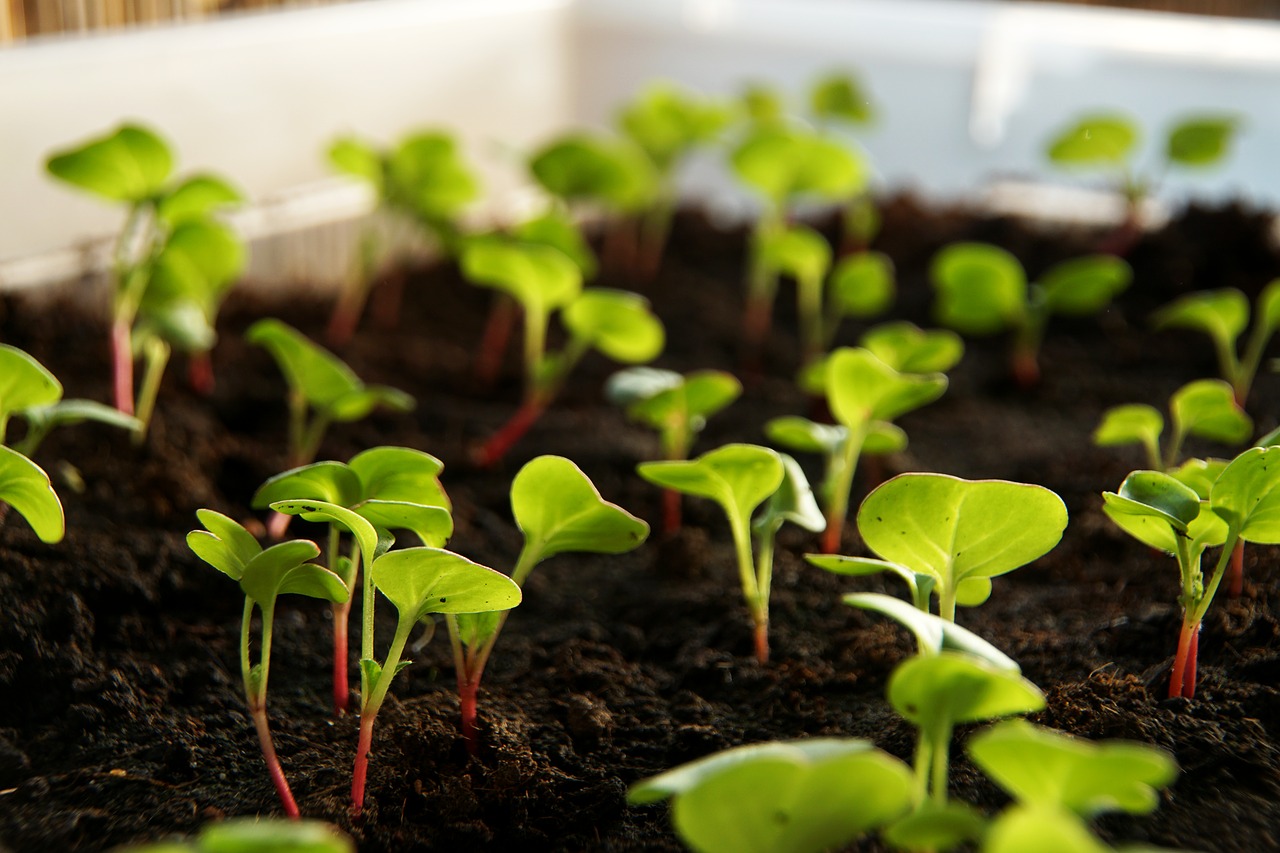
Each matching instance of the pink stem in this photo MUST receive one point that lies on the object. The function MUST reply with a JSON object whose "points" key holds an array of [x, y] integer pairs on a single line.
{"points": [[1026, 369], [361, 768], [671, 514], [278, 526], [831, 537], [1235, 571], [122, 359], [1178, 683], [762, 642], [493, 344], [1189, 681], [468, 688], [273, 762], [341, 687], [200, 373], [497, 446]]}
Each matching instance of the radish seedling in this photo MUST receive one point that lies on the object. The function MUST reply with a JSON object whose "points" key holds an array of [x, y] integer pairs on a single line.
{"points": [[838, 99], [739, 477], [322, 389], [982, 289], [617, 323], [171, 262], [1164, 513], [801, 796], [1223, 316], [25, 486], [422, 180], [1205, 408], [31, 392], [258, 835], [393, 488], [558, 510], [902, 345], [263, 575], [677, 407], [949, 537]]}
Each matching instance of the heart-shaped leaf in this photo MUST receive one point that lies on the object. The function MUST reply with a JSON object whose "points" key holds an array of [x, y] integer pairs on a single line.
{"points": [[1156, 508], [793, 501], [332, 482], [937, 692], [1220, 314], [431, 524], [1100, 140], [1022, 828], [796, 251], [197, 197], [314, 510], [668, 122], [430, 177], [361, 402], [937, 826], [558, 509], [254, 835], [25, 486], [539, 277], [907, 348], [1201, 140], [617, 323], [785, 163], [840, 97], [611, 171], [24, 384], [283, 568], [1207, 408], [981, 288], [424, 580], [805, 436], [357, 158], [317, 374], [400, 474], [223, 544], [862, 285], [862, 388], [556, 229], [129, 164], [739, 477], [1083, 286], [1134, 423], [1246, 495]]}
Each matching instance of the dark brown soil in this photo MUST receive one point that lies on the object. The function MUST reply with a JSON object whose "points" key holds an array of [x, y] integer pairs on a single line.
{"points": [[120, 710]]}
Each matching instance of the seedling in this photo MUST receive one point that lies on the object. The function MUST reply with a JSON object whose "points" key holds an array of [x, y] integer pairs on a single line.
{"points": [[982, 289], [948, 537], [902, 345], [29, 391], [558, 510], [739, 477], [392, 488], [801, 796], [171, 262], [668, 124], [839, 99], [1158, 510], [259, 835], [542, 279], [25, 486], [322, 389], [424, 181], [263, 575], [1104, 143], [677, 407], [865, 395], [1223, 316], [784, 165], [1205, 408]]}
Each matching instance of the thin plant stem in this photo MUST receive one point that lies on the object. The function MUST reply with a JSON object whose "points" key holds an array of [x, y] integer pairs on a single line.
{"points": [[157, 357], [372, 704], [841, 487]]}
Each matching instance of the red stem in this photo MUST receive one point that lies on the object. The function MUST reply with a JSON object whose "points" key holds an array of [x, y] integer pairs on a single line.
{"points": [[467, 690], [273, 763], [832, 535], [1179, 685], [278, 526], [1189, 682], [1026, 369], [122, 361], [493, 344], [361, 768], [762, 642], [200, 373], [757, 320], [341, 685], [1235, 571], [671, 514], [492, 451]]}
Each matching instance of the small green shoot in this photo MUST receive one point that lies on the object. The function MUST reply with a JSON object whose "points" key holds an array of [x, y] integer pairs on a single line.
{"points": [[25, 486], [263, 575], [1223, 316], [677, 407], [423, 181], [29, 391], [948, 536], [258, 835], [902, 345], [1205, 408], [322, 389], [172, 261], [738, 477], [392, 488], [558, 510], [982, 289], [542, 279], [839, 100], [802, 796]]}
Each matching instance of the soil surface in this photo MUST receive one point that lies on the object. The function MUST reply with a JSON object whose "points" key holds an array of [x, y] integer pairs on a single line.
{"points": [[122, 717]]}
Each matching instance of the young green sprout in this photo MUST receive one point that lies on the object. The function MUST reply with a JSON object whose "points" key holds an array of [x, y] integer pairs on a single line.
{"points": [[29, 391], [740, 478], [172, 261], [948, 537], [263, 575], [322, 389], [801, 796], [865, 395], [677, 407], [558, 510], [668, 124], [609, 174], [982, 289], [782, 166], [423, 181], [258, 835], [543, 279], [902, 345], [1158, 510], [1104, 143], [25, 486], [1205, 408], [838, 100], [1223, 316], [392, 488]]}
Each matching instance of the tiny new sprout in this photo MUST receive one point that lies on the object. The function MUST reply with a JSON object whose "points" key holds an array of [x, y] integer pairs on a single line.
{"points": [[1160, 511], [319, 384], [423, 181], [677, 407], [839, 99], [741, 477], [864, 394], [1223, 316], [29, 391], [1104, 143], [784, 165], [612, 174], [25, 486], [902, 345], [543, 279], [1205, 408], [668, 124], [801, 796], [982, 289], [558, 510], [948, 537], [393, 488], [258, 835], [263, 575], [172, 261]]}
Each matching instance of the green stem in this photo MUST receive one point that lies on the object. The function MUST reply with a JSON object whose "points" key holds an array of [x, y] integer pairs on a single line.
{"points": [[923, 761], [157, 355], [941, 763], [246, 668], [367, 600], [809, 309], [947, 602], [1247, 367], [841, 487]]}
